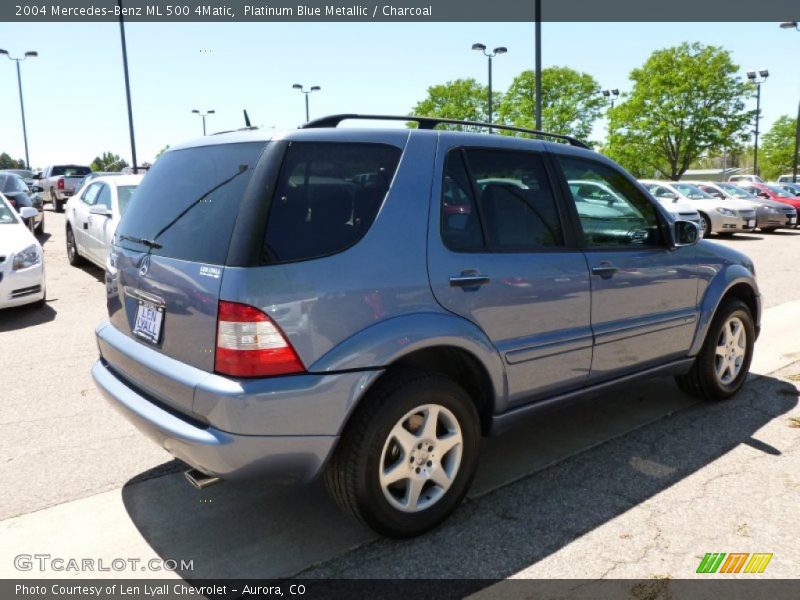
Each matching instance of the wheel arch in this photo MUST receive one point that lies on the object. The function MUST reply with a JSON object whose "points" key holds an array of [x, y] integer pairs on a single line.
{"points": [[734, 282]]}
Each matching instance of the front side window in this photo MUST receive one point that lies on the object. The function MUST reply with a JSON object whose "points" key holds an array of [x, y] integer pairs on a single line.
{"points": [[498, 201], [326, 198], [612, 211]]}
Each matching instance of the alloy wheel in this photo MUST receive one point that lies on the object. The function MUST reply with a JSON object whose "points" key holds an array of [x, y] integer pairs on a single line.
{"points": [[421, 458], [731, 350]]}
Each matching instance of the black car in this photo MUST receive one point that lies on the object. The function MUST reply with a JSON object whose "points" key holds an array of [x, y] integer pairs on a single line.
{"points": [[16, 190]]}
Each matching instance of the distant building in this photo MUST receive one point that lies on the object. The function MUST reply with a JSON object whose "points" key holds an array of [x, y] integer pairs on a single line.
{"points": [[710, 174]]}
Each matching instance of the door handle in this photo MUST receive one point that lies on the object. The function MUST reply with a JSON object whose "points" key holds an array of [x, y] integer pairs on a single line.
{"points": [[469, 280], [86, 224], [604, 270]]}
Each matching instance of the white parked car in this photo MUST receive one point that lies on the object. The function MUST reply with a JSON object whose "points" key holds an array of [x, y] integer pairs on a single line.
{"points": [[724, 217], [93, 215], [21, 258], [682, 211]]}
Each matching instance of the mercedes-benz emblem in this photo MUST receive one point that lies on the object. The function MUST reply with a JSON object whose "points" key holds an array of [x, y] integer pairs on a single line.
{"points": [[145, 265]]}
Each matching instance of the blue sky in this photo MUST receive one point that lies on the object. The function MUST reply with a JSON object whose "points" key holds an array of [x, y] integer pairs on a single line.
{"points": [[75, 100]]}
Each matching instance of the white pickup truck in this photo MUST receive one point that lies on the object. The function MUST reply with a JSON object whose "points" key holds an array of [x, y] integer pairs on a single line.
{"points": [[59, 182]]}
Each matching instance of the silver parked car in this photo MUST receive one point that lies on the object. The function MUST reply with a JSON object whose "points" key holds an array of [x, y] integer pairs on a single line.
{"points": [[770, 215]]}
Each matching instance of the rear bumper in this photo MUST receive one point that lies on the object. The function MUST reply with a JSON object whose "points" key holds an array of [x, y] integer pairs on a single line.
{"points": [[290, 458], [277, 428]]}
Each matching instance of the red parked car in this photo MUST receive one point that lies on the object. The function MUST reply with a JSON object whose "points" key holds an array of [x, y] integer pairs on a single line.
{"points": [[771, 192]]}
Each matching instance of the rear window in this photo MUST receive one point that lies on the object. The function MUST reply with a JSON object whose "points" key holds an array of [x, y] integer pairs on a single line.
{"points": [[326, 198], [71, 171], [124, 193], [187, 204]]}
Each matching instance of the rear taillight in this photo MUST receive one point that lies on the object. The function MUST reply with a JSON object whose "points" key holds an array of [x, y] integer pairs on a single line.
{"points": [[60, 184], [12, 202], [249, 344]]}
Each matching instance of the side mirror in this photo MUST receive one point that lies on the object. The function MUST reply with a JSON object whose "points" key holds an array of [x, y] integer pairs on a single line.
{"points": [[36, 189], [36, 176], [99, 209], [28, 212], [763, 195], [685, 233]]}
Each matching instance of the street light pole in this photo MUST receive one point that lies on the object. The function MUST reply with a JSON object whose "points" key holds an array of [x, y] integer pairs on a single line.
{"points": [[203, 115], [796, 26], [29, 54], [611, 95], [754, 78], [537, 17], [490, 56], [127, 86], [307, 93]]}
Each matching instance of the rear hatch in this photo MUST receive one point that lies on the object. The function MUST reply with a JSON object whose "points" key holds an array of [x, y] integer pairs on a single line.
{"points": [[166, 266]]}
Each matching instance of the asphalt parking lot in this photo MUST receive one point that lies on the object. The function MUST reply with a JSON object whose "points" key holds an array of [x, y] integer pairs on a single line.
{"points": [[627, 479]]}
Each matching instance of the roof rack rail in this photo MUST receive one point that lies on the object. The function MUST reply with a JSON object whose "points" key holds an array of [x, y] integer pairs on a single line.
{"points": [[432, 122]]}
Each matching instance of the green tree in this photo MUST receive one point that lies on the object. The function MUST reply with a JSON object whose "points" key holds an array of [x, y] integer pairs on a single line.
{"points": [[686, 101], [777, 150], [571, 101], [463, 99], [108, 161], [6, 162]]}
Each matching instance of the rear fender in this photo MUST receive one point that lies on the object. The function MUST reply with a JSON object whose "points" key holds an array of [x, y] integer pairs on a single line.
{"points": [[382, 344]]}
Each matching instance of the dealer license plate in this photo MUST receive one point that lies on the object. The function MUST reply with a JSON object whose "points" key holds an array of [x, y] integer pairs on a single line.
{"points": [[148, 321]]}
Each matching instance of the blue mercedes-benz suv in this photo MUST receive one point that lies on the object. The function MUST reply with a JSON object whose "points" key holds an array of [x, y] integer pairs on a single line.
{"points": [[369, 303]]}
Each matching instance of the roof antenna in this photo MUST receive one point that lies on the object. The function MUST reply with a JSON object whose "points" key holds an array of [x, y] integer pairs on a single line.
{"points": [[246, 118]]}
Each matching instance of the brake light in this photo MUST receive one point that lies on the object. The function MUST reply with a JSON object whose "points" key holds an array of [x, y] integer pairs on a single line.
{"points": [[249, 344], [12, 202], [60, 184]]}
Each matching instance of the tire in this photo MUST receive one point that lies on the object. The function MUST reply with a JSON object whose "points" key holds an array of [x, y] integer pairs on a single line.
{"points": [[58, 206], [705, 223], [725, 235], [768, 229], [74, 257], [709, 378], [370, 454], [39, 230]]}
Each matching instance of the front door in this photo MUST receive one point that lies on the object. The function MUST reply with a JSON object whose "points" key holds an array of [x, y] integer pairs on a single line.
{"points": [[500, 256], [644, 293]]}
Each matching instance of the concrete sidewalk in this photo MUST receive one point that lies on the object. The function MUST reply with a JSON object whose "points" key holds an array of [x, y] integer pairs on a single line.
{"points": [[639, 483]]}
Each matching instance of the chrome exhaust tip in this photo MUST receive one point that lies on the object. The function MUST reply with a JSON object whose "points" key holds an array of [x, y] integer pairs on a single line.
{"points": [[200, 480]]}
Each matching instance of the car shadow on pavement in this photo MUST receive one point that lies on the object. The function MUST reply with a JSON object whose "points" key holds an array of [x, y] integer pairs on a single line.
{"points": [[739, 237], [569, 473], [20, 317], [42, 238], [93, 270]]}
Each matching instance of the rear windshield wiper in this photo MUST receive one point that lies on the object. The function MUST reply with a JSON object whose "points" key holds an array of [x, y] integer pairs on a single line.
{"points": [[143, 241]]}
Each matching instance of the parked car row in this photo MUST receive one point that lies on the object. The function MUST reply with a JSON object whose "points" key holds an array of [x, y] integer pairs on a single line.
{"points": [[728, 208]]}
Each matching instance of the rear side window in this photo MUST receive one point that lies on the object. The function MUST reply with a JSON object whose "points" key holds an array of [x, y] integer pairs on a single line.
{"points": [[500, 201], [326, 198], [187, 204]]}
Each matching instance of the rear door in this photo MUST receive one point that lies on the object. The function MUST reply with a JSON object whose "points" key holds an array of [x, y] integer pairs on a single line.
{"points": [[80, 217], [171, 247], [99, 224], [644, 293], [500, 256]]}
